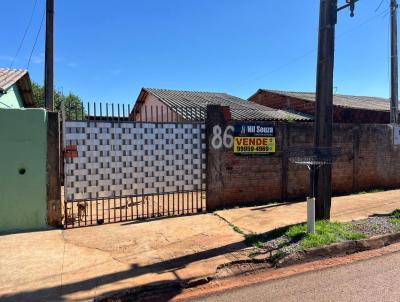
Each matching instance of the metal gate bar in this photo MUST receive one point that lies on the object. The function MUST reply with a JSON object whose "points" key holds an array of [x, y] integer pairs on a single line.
{"points": [[86, 137], [98, 211]]}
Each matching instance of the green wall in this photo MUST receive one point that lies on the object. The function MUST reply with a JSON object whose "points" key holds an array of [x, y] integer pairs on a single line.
{"points": [[12, 98], [23, 169]]}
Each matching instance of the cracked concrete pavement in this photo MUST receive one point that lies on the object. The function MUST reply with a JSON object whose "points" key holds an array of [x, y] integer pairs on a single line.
{"points": [[265, 218], [79, 264]]}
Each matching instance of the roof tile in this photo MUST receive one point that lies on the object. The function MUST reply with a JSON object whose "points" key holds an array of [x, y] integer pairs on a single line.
{"points": [[9, 77], [185, 103], [345, 101]]}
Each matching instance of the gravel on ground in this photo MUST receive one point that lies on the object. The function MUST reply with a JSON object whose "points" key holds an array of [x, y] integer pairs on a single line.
{"points": [[285, 245]]}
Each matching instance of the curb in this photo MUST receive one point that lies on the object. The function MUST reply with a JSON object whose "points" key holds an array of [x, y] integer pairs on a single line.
{"points": [[338, 249], [309, 255], [159, 288]]}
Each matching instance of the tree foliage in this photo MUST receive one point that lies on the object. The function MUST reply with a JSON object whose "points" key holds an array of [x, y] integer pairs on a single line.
{"points": [[73, 103]]}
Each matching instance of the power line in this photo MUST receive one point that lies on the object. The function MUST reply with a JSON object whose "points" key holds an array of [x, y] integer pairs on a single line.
{"points": [[36, 39], [379, 6], [310, 51], [24, 35], [388, 58]]}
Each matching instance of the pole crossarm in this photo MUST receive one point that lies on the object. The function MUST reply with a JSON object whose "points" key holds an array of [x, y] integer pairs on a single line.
{"points": [[350, 3]]}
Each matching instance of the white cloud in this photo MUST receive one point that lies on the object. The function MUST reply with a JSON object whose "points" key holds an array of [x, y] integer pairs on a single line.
{"points": [[115, 72], [72, 64], [6, 58], [38, 59]]}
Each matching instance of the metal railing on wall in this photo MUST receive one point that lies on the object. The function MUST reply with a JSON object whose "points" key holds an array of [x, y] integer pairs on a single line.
{"points": [[163, 113], [122, 112]]}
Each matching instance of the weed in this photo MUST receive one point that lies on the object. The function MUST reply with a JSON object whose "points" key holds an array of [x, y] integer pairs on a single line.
{"points": [[296, 231], [395, 213], [375, 190], [255, 240], [278, 255], [326, 233], [370, 191], [375, 227], [394, 220], [237, 229], [254, 254], [290, 119]]}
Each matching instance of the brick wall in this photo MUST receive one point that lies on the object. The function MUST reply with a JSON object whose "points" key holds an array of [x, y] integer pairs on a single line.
{"points": [[368, 160], [340, 115]]}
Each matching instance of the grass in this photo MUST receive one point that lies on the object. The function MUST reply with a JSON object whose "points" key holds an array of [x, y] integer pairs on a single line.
{"points": [[326, 233], [254, 240], [237, 230], [371, 191], [278, 255], [394, 220], [395, 213], [254, 254], [395, 217]]}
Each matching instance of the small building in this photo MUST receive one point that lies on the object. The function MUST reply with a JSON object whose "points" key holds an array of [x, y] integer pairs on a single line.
{"points": [[171, 105], [15, 89], [346, 108]]}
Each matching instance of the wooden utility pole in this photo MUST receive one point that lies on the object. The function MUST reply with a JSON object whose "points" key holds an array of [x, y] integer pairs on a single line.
{"points": [[324, 103], [49, 57], [324, 100], [394, 99]]}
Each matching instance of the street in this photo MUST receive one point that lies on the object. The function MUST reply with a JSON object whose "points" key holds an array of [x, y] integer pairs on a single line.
{"points": [[375, 279]]}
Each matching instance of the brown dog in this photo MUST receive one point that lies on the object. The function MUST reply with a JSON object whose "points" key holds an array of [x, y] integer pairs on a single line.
{"points": [[82, 206]]}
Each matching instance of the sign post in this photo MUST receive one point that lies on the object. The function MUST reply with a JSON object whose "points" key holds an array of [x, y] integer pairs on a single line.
{"points": [[311, 215]]}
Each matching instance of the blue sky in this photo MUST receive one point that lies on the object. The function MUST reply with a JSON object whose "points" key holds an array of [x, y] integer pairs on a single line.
{"points": [[107, 50]]}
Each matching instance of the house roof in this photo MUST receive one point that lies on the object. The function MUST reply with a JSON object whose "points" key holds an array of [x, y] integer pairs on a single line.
{"points": [[9, 77], [339, 100], [184, 102]]}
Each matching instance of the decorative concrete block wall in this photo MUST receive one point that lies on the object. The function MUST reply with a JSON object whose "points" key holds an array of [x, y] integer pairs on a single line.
{"points": [[131, 158]]}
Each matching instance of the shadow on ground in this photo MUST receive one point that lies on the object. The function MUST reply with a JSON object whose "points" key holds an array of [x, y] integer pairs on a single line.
{"points": [[60, 293]]}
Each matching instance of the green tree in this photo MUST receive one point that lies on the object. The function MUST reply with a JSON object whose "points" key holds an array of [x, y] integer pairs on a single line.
{"points": [[73, 103]]}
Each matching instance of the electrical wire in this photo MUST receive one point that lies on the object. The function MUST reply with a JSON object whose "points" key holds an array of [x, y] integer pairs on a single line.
{"points": [[379, 6], [389, 56], [36, 39], [24, 35], [310, 51]]}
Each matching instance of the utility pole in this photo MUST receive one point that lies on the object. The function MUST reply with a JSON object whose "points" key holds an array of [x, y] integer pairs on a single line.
{"points": [[49, 57], [324, 101], [394, 98]]}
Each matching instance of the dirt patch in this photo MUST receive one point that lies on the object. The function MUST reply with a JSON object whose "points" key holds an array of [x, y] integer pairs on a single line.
{"points": [[220, 285]]}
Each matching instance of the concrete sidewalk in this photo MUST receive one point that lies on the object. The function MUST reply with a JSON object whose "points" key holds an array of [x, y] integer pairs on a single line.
{"points": [[79, 264], [344, 208]]}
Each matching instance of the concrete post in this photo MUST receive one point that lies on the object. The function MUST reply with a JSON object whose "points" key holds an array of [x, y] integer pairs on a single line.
{"points": [[54, 217]]}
